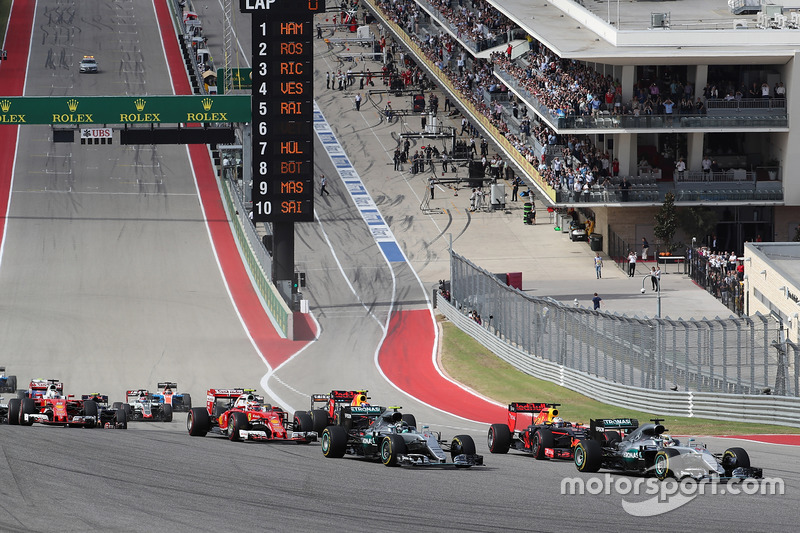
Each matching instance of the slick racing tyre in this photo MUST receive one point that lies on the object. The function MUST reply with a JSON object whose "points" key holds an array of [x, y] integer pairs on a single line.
{"points": [[499, 438], [303, 422], [121, 419], [392, 448], [187, 402], [236, 422], [588, 455], [320, 419], [334, 441], [198, 422], [462, 444], [14, 407], [28, 408], [661, 463], [166, 413], [542, 438], [90, 409], [732, 458]]}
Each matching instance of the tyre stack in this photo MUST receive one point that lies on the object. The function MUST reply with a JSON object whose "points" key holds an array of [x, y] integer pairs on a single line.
{"points": [[527, 213]]}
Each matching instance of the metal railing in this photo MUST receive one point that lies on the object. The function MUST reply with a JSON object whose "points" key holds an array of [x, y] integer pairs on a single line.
{"points": [[733, 355], [761, 408]]}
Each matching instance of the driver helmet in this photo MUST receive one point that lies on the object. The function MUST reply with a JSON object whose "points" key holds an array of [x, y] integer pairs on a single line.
{"points": [[558, 422], [666, 440], [52, 391], [245, 400], [402, 427]]}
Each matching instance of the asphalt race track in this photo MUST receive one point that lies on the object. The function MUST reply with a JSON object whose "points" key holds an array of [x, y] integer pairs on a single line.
{"points": [[111, 278]]}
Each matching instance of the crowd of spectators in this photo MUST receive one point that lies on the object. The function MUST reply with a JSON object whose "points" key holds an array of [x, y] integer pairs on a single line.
{"points": [[721, 274]]}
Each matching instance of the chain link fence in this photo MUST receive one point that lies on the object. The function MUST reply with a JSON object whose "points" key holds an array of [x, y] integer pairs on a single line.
{"points": [[746, 355]]}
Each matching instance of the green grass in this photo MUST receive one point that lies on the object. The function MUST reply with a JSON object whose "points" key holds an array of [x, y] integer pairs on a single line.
{"points": [[468, 362]]}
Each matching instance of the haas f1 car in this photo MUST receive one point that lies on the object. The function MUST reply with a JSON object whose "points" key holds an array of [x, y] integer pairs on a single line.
{"points": [[536, 428], [239, 414], [167, 395], [44, 402], [141, 405], [374, 432], [647, 450]]}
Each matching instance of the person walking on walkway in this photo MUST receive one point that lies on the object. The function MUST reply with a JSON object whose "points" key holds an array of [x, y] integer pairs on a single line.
{"points": [[655, 277], [432, 186], [323, 184], [645, 248], [515, 189], [358, 101], [631, 263], [596, 301], [598, 265]]}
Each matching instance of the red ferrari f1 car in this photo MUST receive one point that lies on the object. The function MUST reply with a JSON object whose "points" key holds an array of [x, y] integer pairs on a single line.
{"points": [[239, 414]]}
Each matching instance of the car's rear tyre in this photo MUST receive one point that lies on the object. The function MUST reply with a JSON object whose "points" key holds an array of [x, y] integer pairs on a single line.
{"points": [[462, 444], [319, 418], [236, 422], [90, 409], [542, 438], [334, 441], [411, 420], [661, 463], [28, 408], [122, 419], [392, 447], [499, 438], [732, 458], [187, 402], [588, 455], [14, 408], [198, 422], [128, 411], [166, 413], [303, 422]]}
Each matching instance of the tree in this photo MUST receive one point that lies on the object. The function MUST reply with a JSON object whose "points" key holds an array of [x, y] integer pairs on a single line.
{"points": [[666, 222], [698, 221]]}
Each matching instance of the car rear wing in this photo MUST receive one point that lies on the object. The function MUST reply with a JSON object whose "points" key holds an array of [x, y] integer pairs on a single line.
{"points": [[613, 424], [530, 407], [42, 384], [165, 384], [99, 398], [228, 393], [338, 396]]}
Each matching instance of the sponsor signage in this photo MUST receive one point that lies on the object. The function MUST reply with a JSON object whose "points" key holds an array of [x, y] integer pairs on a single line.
{"points": [[103, 110]]}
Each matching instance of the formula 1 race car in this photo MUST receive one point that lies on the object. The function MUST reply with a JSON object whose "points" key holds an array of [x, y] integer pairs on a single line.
{"points": [[334, 402], [647, 450], [239, 414], [141, 405], [7, 383], [44, 402], [537, 429], [374, 432], [108, 417], [166, 394]]}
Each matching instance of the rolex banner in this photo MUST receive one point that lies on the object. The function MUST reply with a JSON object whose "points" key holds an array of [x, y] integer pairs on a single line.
{"points": [[124, 109]]}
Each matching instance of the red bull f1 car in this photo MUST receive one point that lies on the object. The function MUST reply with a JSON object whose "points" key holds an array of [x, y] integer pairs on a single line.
{"points": [[326, 409], [239, 414], [45, 403], [647, 450], [385, 434], [536, 428]]}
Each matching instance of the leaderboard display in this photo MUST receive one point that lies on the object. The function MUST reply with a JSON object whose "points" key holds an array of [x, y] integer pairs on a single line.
{"points": [[283, 128]]}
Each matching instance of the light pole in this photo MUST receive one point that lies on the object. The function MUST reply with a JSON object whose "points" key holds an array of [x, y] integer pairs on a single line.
{"points": [[658, 289]]}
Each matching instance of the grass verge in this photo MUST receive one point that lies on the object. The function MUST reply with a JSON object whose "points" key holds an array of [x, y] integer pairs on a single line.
{"points": [[468, 362]]}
